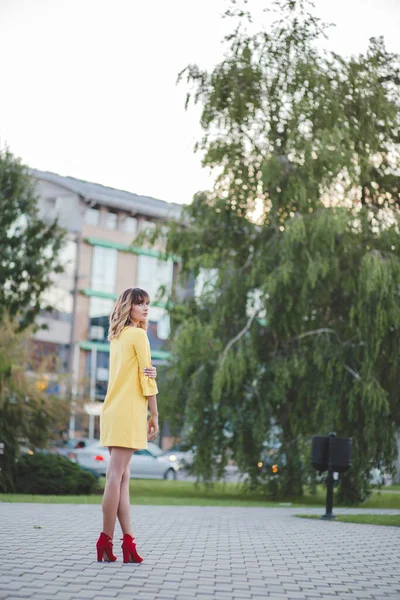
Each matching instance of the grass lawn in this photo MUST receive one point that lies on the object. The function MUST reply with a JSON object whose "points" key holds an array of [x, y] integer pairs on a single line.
{"points": [[393, 520], [174, 493], [395, 487], [181, 493]]}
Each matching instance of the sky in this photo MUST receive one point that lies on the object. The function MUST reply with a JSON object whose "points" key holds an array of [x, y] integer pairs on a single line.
{"points": [[88, 87]]}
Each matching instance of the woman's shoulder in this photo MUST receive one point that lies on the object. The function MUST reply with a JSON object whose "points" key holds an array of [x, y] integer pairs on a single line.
{"points": [[134, 332]]}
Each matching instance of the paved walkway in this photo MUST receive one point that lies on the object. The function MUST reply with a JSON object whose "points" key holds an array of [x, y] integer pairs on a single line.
{"points": [[48, 553]]}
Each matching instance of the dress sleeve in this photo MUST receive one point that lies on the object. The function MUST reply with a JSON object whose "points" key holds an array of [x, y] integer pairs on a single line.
{"points": [[142, 347]]}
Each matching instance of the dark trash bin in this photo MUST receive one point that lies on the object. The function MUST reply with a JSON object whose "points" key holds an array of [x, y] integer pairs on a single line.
{"points": [[332, 454], [340, 453]]}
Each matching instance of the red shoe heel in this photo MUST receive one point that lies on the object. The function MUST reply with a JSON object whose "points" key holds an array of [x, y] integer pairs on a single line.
{"points": [[104, 548], [129, 551]]}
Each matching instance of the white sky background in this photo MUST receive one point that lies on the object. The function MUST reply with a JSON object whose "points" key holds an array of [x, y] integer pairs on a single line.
{"points": [[88, 87]]}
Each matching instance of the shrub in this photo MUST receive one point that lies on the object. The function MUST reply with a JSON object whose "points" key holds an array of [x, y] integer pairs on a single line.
{"points": [[51, 474]]}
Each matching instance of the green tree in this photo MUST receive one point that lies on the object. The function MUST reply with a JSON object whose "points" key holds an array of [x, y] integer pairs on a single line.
{"points": [[30, 247], [28, 258], [27, 412], [301, 229]]}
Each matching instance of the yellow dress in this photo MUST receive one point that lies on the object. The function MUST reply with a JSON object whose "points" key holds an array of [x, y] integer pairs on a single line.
{"points": [[123, 420]]}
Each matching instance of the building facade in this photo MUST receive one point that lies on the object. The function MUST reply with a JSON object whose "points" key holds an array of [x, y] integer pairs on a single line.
{"points": [[100, 261]]}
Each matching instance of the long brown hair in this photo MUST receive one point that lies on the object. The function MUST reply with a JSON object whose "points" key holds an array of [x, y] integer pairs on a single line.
{"points": [[121, 315]]}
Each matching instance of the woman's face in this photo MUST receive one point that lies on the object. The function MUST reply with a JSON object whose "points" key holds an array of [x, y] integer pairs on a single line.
{"points": [[139, 312]]}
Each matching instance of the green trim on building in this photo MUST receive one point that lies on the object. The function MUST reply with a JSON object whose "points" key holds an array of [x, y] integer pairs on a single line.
{"points": [[93, 294], [160, 354], [111, 296], [102, 347], [132, 249]]}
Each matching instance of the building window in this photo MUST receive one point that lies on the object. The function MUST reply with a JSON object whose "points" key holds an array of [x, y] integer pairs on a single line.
{"points": [[154, 273], [48, 205], [99, 314], [97, 379], [158, 329], [92, 216], [68, 257], [163, 326], [104, 269], [160, 317], [111, 220], [102, 375], [147, 225], [59, 296], [130, 225]]}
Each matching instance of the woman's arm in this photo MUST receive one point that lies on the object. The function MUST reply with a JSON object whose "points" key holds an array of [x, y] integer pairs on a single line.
{"points": [[152, 400], [149, 386], [152, 425], [142, 348], [150, 372]]}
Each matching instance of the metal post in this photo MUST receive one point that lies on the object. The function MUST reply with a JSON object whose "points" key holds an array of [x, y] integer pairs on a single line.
{"points": [[2, 463], [72, 342], [93, 370], [329, 482]]}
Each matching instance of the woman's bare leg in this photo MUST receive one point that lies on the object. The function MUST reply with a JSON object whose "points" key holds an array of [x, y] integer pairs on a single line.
{"points": [[124, 513], [119, 461]]}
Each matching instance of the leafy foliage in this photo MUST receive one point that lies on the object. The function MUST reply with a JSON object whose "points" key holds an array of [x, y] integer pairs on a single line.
{"points": [[50, 474], [29, 251], [301, 228], [27, 413]]}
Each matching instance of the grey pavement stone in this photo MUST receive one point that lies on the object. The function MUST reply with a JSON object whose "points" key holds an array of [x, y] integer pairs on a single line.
{"points": [[196, 552]]}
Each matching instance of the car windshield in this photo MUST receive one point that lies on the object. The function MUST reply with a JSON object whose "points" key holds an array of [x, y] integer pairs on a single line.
{"points": [[179, 448], [70, 444], [92, 446], [154, 449], [79, 443]]}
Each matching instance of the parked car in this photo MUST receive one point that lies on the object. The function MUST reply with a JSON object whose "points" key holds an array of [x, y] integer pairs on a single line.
{"points": [[156, 451], [181, 454], [66, 447], [144, 463]]}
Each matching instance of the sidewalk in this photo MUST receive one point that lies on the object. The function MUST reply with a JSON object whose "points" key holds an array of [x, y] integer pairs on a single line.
{"points": [[48, 553]]}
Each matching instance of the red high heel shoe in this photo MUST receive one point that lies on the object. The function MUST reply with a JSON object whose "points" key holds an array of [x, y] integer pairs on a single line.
{"points": [[104, 549], [129, 551]]}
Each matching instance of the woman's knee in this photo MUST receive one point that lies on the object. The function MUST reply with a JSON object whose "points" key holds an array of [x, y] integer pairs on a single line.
{"points": [[112, 478], [114, 474], [119, 461], [126, 476]]}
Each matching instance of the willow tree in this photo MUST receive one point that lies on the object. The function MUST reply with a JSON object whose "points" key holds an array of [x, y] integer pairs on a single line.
{"points": [[297, 331]]}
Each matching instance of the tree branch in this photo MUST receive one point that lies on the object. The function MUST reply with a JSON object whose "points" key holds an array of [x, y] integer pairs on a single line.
{"points": [[238, 336], [392, 78], [315, 332], [354, 373], [247, 263]]}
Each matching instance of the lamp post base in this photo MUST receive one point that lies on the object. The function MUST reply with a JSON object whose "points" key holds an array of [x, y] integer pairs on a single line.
{"points": [[328, 517]]}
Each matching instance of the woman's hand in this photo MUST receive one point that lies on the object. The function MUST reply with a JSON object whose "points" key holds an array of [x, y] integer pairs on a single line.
{"points": [[152, 428], [150, 372]]}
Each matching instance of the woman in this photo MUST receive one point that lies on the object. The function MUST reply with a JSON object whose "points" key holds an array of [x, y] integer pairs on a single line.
{"points": [[123, 423]]}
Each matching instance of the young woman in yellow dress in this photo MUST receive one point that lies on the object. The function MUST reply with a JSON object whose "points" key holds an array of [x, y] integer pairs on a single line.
{"points": [[124, 427]]}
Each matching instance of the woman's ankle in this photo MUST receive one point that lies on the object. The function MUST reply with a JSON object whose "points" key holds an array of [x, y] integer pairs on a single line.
{"points": [[108, 532]]}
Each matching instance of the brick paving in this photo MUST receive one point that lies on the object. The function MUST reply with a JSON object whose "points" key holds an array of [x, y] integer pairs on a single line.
{"points": [[194, 553]]}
